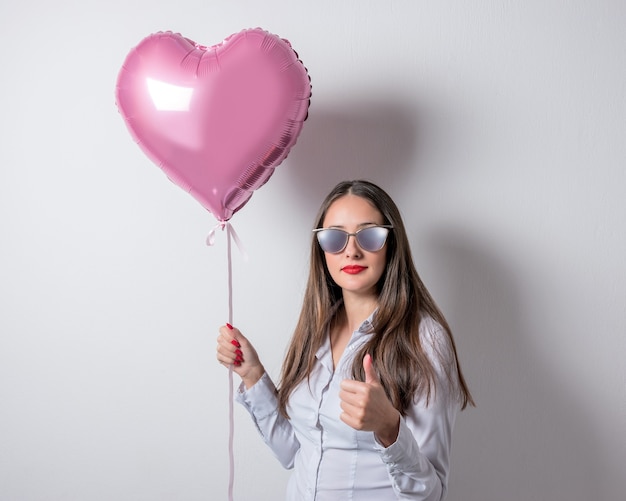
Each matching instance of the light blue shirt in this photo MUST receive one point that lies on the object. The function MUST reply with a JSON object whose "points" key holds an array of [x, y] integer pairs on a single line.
{"points": [[333, 461]]}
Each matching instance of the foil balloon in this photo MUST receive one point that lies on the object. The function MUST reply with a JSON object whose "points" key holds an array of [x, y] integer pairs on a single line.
{"points": [[219, 119]]}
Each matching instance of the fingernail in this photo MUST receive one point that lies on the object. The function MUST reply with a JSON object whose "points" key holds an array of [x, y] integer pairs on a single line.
{"points": [[237, 363], [234, 342], [229, 326], [239, 352]]}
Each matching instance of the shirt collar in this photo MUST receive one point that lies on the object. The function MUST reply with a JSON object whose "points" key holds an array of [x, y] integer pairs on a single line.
{"points": [[365, 330]]}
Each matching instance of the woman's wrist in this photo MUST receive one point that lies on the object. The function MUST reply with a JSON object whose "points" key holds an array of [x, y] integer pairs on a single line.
{"points": [[389, 434], [252, 376]]}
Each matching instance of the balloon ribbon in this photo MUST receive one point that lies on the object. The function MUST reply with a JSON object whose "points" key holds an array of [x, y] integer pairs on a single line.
{"points": [[231, 235]]}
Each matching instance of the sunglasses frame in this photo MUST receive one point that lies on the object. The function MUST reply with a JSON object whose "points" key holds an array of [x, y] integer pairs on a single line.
{"points": [[355, 235]]}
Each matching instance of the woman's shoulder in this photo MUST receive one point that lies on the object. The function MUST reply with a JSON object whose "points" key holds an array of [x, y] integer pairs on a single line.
{"points": [[429, 325], [436, 342], [430, 330]]}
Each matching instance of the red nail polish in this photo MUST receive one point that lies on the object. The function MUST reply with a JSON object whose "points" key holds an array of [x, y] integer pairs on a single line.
{"points": [[239, 352], [237, 363], [229, 326], [234, 342]]}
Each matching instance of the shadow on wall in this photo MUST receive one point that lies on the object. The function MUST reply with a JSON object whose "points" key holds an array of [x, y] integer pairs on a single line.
{"points": [[527, 439], [362, 140]]}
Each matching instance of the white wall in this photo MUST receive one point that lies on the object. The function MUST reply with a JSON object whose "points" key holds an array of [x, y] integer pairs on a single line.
{"points": [[498, 127]]}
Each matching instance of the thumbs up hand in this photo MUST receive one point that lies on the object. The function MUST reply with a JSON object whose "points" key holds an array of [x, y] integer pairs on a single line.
{"points": [[366, 407]]}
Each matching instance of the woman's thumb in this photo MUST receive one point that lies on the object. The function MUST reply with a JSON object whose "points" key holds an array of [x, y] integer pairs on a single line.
{"points": [[368, 367]]}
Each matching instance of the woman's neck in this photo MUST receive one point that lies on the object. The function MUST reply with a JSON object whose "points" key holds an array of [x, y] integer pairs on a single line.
{"points": [[349, 318], [357, 309]]}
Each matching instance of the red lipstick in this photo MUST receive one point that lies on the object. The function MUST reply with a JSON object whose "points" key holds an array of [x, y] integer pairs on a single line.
{"points": [[353, 269]]}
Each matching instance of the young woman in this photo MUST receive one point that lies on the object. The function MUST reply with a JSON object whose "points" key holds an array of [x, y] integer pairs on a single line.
{"points": [[371, 384]]}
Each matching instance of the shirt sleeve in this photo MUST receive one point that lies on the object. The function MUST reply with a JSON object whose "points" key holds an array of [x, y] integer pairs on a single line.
{"points": [[262, 403], [418, 461]]}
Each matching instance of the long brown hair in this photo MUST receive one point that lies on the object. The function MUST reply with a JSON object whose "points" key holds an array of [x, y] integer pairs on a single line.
{"points": [[404, 368]]}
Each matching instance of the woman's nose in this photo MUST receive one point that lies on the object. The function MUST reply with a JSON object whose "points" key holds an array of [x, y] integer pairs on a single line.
{"points": [[352, 247]]}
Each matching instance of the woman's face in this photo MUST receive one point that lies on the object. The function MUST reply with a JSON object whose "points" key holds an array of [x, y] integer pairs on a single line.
{"points": [[353, 269]]}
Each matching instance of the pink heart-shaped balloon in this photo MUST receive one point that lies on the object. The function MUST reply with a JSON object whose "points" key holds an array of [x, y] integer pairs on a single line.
{"points": [[218, 119]]}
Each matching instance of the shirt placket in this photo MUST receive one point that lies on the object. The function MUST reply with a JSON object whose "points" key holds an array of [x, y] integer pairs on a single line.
{"points": [[324, 381]]}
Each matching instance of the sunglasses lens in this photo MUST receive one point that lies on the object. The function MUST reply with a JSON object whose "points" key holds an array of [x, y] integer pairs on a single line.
{"points": [[372, 239], [332, 240]]}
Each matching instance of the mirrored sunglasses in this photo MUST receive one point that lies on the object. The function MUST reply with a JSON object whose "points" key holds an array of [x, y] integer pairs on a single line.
{"points": [[371, 238]]}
